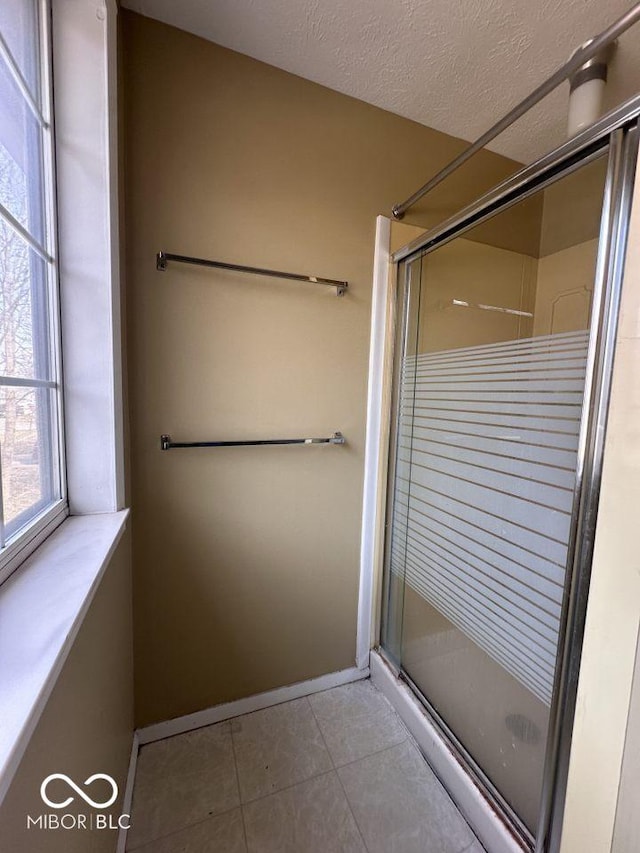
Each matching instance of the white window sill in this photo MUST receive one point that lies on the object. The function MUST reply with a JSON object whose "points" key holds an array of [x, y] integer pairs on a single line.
{"points": [[42, 606]]}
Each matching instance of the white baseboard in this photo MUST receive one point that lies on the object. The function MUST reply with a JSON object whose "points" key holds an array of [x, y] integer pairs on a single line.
{"points": [[128, 792], [218, 713], [462, 788]]}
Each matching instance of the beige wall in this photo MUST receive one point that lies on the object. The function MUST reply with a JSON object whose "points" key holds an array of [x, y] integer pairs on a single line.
{"points": [[613, 613], [246, 560], [572, 208], [626, 838], [86, 726], [401, 233], [568, 250]]}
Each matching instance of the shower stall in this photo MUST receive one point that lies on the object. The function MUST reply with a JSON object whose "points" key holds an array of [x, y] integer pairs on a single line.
{"points": [[505, 320]]}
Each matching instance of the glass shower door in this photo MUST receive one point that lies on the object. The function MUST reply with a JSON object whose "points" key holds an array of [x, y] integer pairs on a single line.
{"points": [[490, 378]]}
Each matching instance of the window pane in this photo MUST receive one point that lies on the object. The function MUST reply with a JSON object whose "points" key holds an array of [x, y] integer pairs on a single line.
{"points": [[21, 184], [25, 450], [18, 25], [24, 337], [31, 471]]}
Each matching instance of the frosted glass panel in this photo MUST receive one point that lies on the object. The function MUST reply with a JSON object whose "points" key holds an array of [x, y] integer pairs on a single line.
{"points": [[489, 456], [489, 379]]}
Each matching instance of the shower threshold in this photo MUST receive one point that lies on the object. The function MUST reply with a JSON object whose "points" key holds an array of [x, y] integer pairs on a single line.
{"points": [[467, 793]]}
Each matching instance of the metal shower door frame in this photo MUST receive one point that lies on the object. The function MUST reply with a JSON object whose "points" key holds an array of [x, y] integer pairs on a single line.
{"points": [[617, 131]]}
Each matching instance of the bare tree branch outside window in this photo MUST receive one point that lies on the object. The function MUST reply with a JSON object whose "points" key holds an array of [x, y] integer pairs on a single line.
{"points": [[19, 439]]}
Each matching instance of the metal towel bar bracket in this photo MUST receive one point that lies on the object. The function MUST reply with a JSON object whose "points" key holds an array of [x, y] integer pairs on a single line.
{"points": [[162, 258], [167, 444]]}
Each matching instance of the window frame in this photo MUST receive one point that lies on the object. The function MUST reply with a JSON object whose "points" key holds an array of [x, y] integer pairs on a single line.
{"points": [[25, 537], [52, 590]]}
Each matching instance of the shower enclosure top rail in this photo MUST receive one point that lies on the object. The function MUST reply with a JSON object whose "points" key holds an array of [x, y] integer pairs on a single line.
{"points": [[483, 208], [167, 444], [583, 54], [162, 258]]}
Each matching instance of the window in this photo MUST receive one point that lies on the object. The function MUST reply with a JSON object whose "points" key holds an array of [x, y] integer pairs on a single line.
{"points": [[32, 494]]}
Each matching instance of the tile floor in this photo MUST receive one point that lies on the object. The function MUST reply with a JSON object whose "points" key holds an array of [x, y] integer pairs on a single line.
{"points": [[336, 772]]}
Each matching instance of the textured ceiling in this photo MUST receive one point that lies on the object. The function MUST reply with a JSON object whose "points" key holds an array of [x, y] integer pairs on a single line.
{"points": [[454, 65]]}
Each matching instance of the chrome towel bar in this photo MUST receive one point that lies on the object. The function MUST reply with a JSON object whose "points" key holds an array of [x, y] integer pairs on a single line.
{"points": [[162, 259], [167, 444]]}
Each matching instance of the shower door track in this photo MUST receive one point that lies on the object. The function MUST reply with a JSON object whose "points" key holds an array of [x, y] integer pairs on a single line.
{"points": [[515, 826], [617, 131]]}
